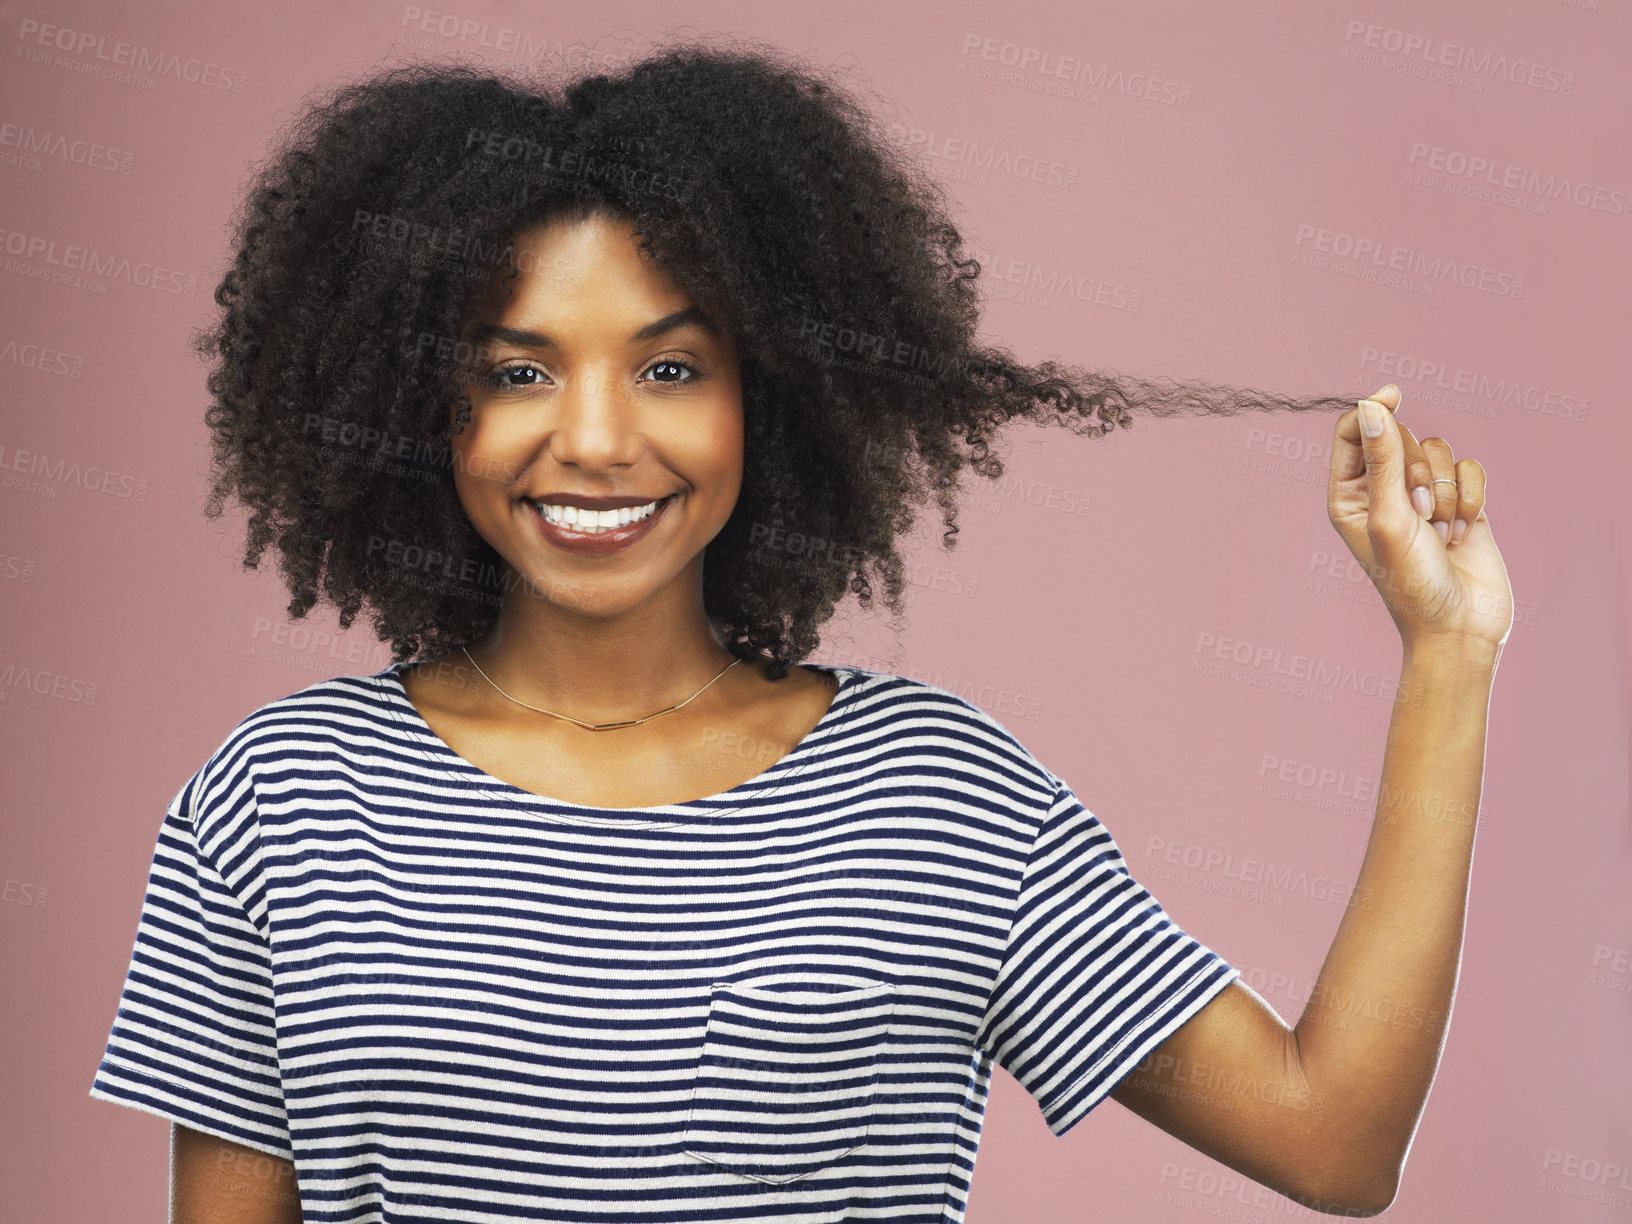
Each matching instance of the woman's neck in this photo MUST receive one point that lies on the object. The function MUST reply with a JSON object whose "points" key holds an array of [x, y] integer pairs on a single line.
{"points": [[599, 669]]}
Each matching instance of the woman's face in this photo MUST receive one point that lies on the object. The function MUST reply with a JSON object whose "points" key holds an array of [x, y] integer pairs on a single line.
{"points": [[576, 395]]}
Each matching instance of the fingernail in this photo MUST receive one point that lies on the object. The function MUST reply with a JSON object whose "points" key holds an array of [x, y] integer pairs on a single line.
{"points": [[1371, 418], [1442, 529], [1423, 503], [1458, 529]]}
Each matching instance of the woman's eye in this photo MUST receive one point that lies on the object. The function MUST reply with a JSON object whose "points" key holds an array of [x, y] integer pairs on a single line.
{"points": [[497, 378], [667, 365]]}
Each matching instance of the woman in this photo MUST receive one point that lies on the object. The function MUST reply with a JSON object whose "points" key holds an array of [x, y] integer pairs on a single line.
{"points": [[596, 903]]}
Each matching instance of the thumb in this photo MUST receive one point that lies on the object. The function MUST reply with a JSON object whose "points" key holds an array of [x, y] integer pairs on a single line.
{"points": [[1385, 463]]}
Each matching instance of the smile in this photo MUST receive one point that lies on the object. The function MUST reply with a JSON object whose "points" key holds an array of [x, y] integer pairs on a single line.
{"points": [[594, 522], [597, 533]]}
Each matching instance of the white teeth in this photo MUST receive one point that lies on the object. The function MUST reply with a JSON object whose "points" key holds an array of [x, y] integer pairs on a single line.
{"points": [[594, 522]]}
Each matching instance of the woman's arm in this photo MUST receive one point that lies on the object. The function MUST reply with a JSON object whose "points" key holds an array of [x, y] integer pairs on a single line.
{"points": [[1324, 1112], [213, 1181]]}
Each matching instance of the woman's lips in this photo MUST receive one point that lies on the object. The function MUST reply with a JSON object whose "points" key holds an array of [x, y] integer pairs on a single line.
{"points": [[597, 543]]}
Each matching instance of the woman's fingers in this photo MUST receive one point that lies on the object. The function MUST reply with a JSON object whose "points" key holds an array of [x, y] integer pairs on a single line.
{"points": [[1388, 397], [1419, 473], [1448, 492], [1385, 495], [1470, 496], [1442, 488]]}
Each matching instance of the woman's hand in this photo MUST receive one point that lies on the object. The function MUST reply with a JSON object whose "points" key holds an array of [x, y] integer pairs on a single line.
{"points": [[1449, 589]]}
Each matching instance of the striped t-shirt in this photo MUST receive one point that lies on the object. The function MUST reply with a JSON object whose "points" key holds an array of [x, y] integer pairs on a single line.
{"points": [[446, 998]]}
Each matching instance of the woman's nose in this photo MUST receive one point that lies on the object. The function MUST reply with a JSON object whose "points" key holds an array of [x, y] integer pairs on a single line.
{"points": [[594, 422]]}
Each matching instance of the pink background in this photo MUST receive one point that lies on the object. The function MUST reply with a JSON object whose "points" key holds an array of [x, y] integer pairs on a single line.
{"points": [[1086, 634]]}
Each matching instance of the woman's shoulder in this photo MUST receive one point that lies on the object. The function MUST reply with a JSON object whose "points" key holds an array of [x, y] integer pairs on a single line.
{"points": [[317, 704], [296, 722], [923, 692], [965, 714]]}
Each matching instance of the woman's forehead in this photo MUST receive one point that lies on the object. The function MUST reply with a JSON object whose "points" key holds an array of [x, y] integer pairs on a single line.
{"points": [[577, 266]]}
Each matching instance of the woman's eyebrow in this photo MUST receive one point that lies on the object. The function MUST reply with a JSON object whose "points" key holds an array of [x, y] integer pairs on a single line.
{"points": [[680, 318], [533, 339]]}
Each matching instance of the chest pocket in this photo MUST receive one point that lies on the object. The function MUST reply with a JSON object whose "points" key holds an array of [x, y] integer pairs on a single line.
{"points": [[788, 1078]]}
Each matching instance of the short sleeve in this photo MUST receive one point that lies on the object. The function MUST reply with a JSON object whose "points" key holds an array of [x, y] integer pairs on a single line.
{"points": [[1095, 975], [193, 1038]]}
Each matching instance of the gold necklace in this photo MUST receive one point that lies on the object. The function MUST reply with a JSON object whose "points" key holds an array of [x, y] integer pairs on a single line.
{"points": [[635, 722]]}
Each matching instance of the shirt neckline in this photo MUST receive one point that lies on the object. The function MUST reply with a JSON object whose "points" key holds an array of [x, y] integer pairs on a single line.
{"points": [[460, 769]]}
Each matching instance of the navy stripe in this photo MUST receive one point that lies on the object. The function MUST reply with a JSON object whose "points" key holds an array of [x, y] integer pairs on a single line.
{"points": [[446, 998]]}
